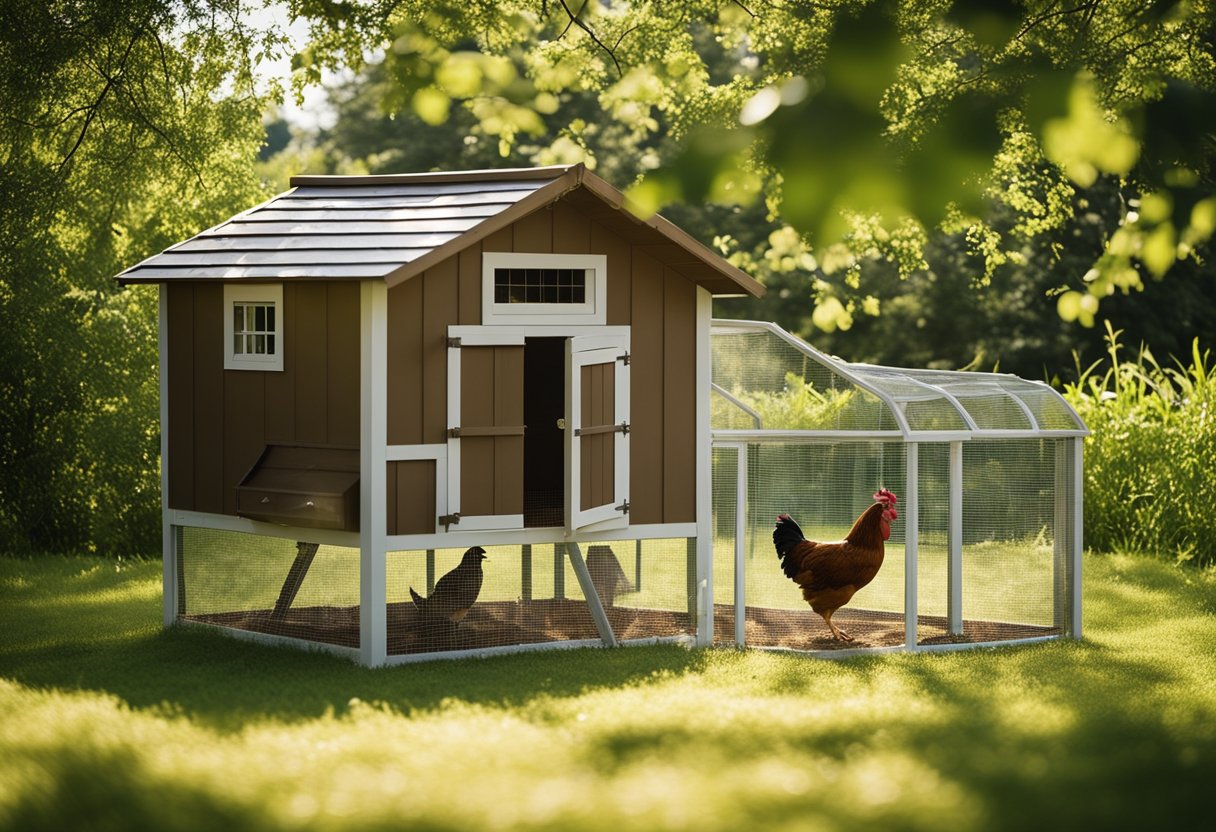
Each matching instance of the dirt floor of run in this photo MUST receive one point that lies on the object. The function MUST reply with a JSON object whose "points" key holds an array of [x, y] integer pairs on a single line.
{"points": [[508, 623]]}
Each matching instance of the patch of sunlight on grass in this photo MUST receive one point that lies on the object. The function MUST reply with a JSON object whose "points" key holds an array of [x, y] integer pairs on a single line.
{"points": [[113, 724]]}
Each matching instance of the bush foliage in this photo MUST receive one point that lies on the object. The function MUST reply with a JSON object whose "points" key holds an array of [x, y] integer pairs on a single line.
{"points": [[1148, 462]]}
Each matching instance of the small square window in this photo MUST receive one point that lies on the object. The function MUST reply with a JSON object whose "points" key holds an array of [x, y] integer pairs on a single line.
{"points": [[252, 327]]}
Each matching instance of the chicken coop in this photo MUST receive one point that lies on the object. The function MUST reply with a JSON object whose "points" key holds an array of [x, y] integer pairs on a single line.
{"points": [[366, 376], [987, 468]]}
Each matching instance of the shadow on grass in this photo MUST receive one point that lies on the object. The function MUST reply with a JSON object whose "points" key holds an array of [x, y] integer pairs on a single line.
{"points": [[76, 623], [1113, 732]]}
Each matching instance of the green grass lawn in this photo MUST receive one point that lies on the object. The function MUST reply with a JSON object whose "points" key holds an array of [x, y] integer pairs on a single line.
{"points": [[109, 722]]}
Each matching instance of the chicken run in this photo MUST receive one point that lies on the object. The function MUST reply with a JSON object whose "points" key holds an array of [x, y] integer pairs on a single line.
{"points": [[416, 416]]}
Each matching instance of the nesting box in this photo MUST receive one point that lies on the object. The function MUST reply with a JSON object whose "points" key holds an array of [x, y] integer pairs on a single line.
{"points": [[367, 377]]}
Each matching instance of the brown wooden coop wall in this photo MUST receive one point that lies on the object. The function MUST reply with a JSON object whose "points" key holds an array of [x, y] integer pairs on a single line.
{"points": [[220, 420], [657, 303]]}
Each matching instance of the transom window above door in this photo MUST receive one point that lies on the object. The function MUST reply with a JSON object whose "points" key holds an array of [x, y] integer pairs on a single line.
{"points": [[543, 289]]}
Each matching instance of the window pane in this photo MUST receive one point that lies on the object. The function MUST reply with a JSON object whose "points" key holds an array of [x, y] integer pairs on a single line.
{"points": [[270, 342], [270, 318], [238, 341], [259, 344], [259, 319], [238, 317]]}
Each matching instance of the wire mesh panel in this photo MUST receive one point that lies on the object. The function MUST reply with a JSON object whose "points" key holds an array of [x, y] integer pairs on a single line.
{"points": [[726, 511], [269, 585], [933, 572], [764, 381], [531, 594], [825, 487], [1009, 553]]}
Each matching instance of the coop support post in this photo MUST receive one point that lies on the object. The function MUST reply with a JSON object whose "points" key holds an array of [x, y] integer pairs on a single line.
{"points": [[168, 540], [373, 449], [740, 540], [911, 527], [954, 562], [559, 571], [1077, 537], [705, 459], [593, 597]]}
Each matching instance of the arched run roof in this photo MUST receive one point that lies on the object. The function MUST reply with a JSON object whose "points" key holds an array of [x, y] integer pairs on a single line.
{"points": [[766, 379]]}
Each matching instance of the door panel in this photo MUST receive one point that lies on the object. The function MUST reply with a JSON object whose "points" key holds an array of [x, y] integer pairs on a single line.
{"points": [[486, 444], [597, 435]]}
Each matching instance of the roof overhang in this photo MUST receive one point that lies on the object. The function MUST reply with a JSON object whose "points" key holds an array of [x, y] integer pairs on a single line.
{"points": [[537, 188]]}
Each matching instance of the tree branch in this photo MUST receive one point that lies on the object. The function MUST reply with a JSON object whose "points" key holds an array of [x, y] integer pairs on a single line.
{"points": [[590, 33], [95, 107]]}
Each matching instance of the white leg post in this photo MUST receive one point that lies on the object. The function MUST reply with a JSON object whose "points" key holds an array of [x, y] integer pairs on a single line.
{"points": [[1078, 533], [170, 578], [373, 443], [740, 541], [954, 564], [911, 529], [705, 524]]}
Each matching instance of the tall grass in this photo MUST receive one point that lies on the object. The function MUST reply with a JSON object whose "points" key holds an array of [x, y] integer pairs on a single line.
{"points": [[1148, 464]]}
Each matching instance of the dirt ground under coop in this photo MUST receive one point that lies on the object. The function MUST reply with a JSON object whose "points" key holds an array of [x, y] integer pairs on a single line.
{"points": [[508, 623], [487, 624]]}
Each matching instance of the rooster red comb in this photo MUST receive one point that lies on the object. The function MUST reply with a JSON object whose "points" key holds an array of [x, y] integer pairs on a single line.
{"points": [[886, 497]]}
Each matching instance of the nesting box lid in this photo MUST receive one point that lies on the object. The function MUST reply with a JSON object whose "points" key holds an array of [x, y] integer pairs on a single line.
{"points": [[301, 485]]}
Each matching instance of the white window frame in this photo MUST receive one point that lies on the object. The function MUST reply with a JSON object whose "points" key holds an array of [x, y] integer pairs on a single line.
{"points": [[592, 311], [262, 293]]}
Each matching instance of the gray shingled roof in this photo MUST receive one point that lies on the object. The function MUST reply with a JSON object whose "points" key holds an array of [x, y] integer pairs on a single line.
{"points": [[395, 226]]}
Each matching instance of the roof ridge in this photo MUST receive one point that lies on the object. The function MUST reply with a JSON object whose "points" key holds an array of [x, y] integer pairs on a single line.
{"points": [[485, 175]]}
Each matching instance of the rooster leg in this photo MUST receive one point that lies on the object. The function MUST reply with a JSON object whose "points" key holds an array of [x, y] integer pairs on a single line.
{"points": [[837, 633]]}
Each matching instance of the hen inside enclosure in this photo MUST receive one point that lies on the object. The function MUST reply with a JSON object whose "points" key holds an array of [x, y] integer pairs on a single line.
{"points": [[528, 594], [987, 470]]}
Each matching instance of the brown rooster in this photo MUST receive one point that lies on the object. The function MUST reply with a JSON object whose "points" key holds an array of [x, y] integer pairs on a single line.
{"points": [[830, 573]]}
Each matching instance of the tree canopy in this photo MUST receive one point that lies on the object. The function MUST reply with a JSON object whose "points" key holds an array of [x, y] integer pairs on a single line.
{"points": [[125, 128], [864, 126], [872, 162]]}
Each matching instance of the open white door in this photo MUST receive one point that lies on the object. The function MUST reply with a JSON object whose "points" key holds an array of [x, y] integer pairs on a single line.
{"points": [[485, 432], [597, 432]]}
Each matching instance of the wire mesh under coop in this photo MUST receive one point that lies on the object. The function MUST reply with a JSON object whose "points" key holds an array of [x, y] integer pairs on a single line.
{"points": [[987, 472], [526, 595], [268, 585], [534, 595]]}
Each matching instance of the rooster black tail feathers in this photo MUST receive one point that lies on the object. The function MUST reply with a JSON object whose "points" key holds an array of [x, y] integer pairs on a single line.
{"points": [[419, 601], [786, 535]]}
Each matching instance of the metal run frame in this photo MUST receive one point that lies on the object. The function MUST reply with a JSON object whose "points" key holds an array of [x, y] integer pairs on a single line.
{"points": [[1067, 558], [1068, 484]]}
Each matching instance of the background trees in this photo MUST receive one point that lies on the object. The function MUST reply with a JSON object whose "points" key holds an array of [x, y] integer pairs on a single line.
{"points": [[931, 182], [126, 127]]}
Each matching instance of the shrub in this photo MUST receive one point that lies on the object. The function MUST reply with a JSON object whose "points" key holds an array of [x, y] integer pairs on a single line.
{"points": [[1148, 462]]}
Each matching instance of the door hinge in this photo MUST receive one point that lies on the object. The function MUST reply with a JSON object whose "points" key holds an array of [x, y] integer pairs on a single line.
{"points": [[453, 343], [624, 359], [453, 433], [446, 520], [623, 507], [623, 427]]}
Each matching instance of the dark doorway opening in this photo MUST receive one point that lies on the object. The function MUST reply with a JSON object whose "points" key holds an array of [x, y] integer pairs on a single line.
{"points": [[544, 442]]}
